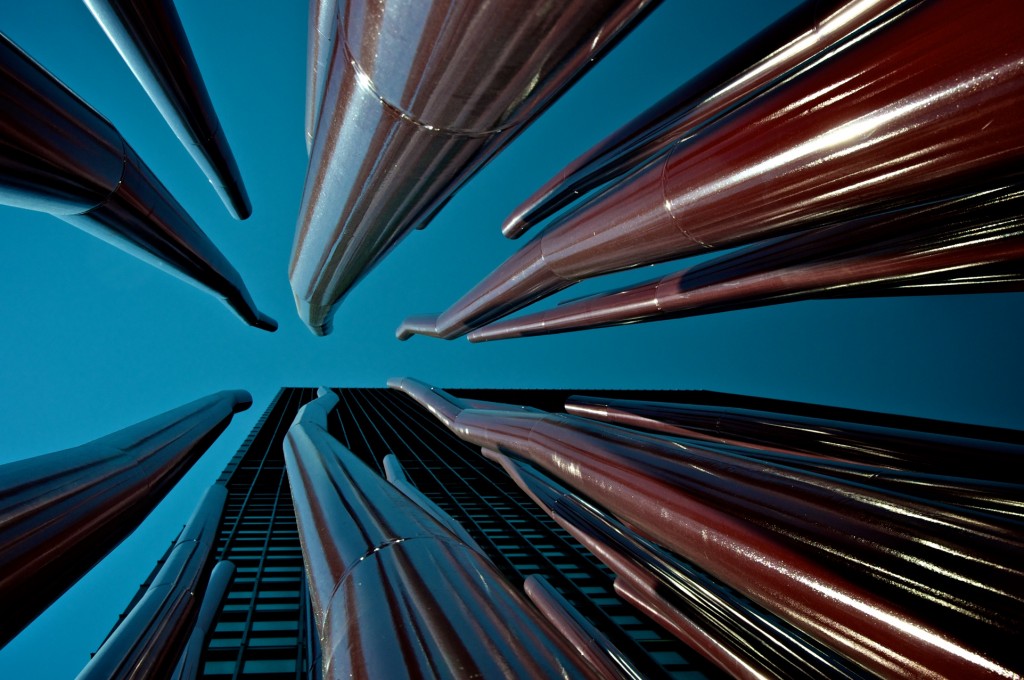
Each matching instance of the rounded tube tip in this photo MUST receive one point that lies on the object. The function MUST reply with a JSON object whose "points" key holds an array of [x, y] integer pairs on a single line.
{"points": [[417, 325], [515, 225], [243, 400], [263, 322]]}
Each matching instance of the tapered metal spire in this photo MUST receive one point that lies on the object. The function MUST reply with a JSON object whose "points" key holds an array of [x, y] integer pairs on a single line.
{"points": [[150, 38], [62, 512], [419, 96], [972, 244], [58, 155], [806, 35], [150, 639], [900, 585], [396, 594], [922, 107]]}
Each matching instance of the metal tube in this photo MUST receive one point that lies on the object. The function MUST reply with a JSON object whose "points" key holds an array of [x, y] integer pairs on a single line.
{"points": [[396, 476], [323, 17], [807, 34], [154, 633], [824, 434], [726, 628], [62, 512], [912, 113], [420, 95], [970, 244], [901, 586], [220, 578], [60, 156], [150, 38], [591, 643], [395, 593]]}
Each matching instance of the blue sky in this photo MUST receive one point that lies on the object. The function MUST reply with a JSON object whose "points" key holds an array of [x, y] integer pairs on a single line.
{"points": [[94, 340]]}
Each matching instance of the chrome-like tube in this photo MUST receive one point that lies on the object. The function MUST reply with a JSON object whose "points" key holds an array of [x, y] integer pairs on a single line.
{"points": [[420, 95], [150, 38], [59, 156], [62, 512], [726, 628], [899, 585], [395, 474], [153, 634], [395, 593], [323, 17], [804, 36], [220, 578], [922, 107], [591, 643], [828, 435], [972, 244]]}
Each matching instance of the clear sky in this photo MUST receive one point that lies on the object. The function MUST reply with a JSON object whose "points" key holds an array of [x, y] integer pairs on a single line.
{"points": [[93, 340]]}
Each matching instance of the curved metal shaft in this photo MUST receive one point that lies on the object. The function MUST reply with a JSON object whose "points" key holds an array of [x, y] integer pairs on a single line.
{"points": [[58, 155], [899, 585], [151, 637], [150, 38], [972, 244], [395, 593], [420, 95], [912, 113], [63, 512], [804, 36]]}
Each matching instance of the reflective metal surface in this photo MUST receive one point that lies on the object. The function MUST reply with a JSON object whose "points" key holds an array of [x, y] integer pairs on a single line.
{"points": [[395, 594], [216, 589], [419, 96], [62, 512], [923, 106], [323, 16], [150, 38], [589, 641], [900, 585], [396, 475], [829, 435], [58, 155], [729, 630], [151, 638], [806, 35], [971, 244]]}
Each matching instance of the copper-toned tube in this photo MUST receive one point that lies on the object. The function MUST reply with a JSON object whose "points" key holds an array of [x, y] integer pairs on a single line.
{"points": [[969, 471], [216, 589], [395, 594], [62, 512], [899, 585], [152, 636], [150, 38], [972, 244], [58, 155], [323, 15], [419, 96], [923, 106], [806, 35], [729, 630], [829, 434], [592, 644]]}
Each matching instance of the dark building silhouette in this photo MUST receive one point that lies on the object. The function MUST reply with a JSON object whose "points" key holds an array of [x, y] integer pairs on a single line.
{"points": [[265, 626]]}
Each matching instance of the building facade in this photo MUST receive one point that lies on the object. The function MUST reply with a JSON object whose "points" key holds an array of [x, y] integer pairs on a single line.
{"points": [[931, 501], [265, 625]]}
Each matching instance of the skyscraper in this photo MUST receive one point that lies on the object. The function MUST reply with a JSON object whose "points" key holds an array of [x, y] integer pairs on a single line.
{"points": [[265, 627]]}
